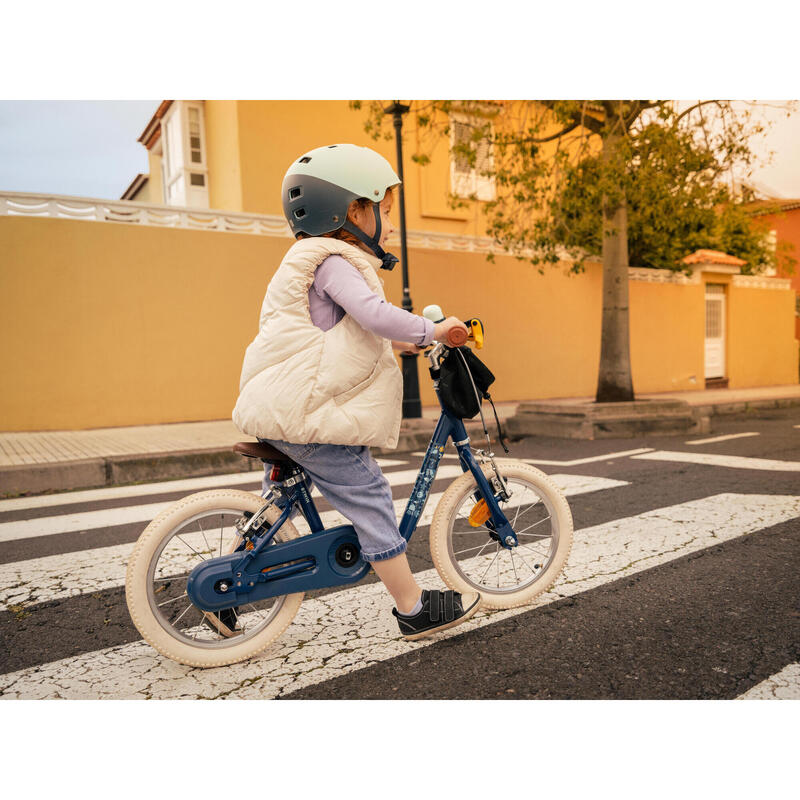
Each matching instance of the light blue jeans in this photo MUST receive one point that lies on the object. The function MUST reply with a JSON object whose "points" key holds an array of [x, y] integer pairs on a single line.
{"points": [[350, 479]]}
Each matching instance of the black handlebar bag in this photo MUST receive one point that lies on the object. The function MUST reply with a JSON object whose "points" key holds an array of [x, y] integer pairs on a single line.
{"points": [[455, 387]]}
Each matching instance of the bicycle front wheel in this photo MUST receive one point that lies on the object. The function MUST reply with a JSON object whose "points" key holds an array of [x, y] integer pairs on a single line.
{"points": [[468, 555], [196, 528]]}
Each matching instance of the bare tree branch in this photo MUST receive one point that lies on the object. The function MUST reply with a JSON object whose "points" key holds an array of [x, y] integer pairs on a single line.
{"points": [[692, 108]]}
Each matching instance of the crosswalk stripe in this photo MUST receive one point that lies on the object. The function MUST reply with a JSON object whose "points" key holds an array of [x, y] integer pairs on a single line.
{"points": [[90, 520], [722, 438], [574, 462], [784, 685], [162, 487], [40, 580], [736, 462], [320, 644], [578, 461]]}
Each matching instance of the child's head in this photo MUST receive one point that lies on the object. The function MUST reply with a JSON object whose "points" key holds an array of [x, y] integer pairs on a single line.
{"points": [[360, 213], [344, 192]]}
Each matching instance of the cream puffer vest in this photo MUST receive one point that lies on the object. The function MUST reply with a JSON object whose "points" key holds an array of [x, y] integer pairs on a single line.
{"points": [[302, 384]]}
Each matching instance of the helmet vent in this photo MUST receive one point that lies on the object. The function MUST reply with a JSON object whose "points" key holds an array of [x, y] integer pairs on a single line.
{"points": [[300, 213], [295, 193], [305, 160]]}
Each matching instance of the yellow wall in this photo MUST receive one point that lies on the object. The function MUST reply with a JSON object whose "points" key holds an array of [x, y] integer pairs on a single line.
{"points": [[222, 155], [155, 184], [109, 324], [762, 350], [667, 330], [542, 331], [272, 134]]}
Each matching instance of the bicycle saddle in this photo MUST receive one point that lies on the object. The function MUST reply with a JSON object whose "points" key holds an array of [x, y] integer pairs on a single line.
{"points": [[266, 452]]}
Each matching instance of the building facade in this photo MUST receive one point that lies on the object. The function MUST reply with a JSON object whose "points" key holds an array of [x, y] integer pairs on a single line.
{"points": [[138, 311]]}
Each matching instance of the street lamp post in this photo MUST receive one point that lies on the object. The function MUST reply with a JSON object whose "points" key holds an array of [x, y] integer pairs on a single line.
{"points": [[412, 407]]}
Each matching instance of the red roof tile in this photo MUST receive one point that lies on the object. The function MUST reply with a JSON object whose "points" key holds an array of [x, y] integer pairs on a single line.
{"points": [[713, 257]]}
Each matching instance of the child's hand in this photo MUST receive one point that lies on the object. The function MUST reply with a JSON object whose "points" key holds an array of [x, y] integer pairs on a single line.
{"points": [[406, 347], [441, 329]]}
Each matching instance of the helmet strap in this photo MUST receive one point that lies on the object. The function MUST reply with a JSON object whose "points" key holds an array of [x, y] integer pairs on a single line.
{"points": [[387, 259]]}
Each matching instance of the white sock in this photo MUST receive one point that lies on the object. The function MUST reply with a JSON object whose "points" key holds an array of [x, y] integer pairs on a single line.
{"points": [[417, 608]]}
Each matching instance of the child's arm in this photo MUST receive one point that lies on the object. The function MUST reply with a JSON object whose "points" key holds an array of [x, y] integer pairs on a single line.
{"points": [[346, 286], [406, 347]]}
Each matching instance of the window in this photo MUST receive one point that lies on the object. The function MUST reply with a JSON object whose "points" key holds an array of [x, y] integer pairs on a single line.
{"points": [[466, 180], [194, 136], [184, 162]]}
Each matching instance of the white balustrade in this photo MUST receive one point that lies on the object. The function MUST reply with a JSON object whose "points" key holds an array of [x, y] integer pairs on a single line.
{"points": [[127, 212], [131, 213]]}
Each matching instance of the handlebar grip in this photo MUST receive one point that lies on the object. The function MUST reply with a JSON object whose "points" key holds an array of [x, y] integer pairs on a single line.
{"points": [[456, 337]]}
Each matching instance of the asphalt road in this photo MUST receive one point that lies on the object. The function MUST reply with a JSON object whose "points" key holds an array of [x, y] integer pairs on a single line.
{"points": [[707, 609]]}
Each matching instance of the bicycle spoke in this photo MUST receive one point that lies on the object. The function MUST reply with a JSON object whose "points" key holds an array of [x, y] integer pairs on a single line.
{"points": [[183, 547], [535, 552], [204, 536], [173, 599], [534, 525], [482, 547], [533, 571], [490, 563], [530, 507], [178, 536], [182, 613], [256, 610]]}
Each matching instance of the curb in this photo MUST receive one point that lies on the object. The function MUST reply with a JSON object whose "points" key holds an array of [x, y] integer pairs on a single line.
{"points": [[98, 473], [94, 473]]}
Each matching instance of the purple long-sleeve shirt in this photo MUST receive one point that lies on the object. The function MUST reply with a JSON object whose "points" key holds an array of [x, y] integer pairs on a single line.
{"points": [[339, 289]]}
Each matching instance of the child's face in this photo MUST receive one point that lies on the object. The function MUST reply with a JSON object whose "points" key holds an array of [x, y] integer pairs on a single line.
{"points": [[365, 219]]}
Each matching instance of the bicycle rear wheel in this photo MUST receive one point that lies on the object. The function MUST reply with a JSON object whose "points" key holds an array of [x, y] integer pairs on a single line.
{"points": [[468, 555], [196, 528]]}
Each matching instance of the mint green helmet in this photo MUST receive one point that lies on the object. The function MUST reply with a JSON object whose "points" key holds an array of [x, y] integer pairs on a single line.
{"points": [[319, 187]]}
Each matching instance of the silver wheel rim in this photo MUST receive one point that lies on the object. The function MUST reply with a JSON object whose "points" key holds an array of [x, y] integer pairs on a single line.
{"points": [[483, 563], [187, 545]]}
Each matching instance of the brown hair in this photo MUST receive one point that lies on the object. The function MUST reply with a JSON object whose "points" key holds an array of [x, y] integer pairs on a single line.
{"points": [[345, 236]]}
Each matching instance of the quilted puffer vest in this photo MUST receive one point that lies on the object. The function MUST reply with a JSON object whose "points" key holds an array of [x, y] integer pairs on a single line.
{"points": [[302, 384]]}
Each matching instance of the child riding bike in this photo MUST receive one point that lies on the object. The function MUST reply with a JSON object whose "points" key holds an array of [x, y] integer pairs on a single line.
{"points": [[319, 381]]}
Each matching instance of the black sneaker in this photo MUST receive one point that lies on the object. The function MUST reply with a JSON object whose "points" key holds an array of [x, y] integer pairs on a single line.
{"points": [[224, 621], [440, 611]]}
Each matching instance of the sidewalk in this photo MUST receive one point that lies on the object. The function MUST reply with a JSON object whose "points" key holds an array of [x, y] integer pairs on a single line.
{"points": [[61, 460]]}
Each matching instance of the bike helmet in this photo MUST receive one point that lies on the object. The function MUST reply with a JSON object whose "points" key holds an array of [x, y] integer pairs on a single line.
{"points": [[319, 187]]}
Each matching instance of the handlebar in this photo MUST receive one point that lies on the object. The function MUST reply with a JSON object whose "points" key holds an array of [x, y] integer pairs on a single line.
{"points": [[456, 337]]}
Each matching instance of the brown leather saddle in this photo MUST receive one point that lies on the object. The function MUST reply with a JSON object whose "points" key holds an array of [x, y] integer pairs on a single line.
{"points": [[266, 452]]}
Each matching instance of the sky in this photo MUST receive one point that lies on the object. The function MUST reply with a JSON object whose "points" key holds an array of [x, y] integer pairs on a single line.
{"points": [[90, 148], [79, 148]]}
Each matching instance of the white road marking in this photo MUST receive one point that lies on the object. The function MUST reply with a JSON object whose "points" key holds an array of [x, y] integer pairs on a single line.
{"points": [[735, 462], [39, 580], [575, 462], [91, 520], [162, 487], [784, 685], [353, 629], [722, 438], [578, 461]]}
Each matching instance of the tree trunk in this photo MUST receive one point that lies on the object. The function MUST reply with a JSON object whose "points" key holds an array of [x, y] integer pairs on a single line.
{"points": [[614, 382]]}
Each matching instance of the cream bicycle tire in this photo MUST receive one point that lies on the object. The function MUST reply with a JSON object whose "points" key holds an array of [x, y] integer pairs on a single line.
{"points": [[446, 518], [151, 544]]}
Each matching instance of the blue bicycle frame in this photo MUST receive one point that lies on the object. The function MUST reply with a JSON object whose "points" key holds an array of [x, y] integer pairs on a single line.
{"points": [[331, 557]]}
